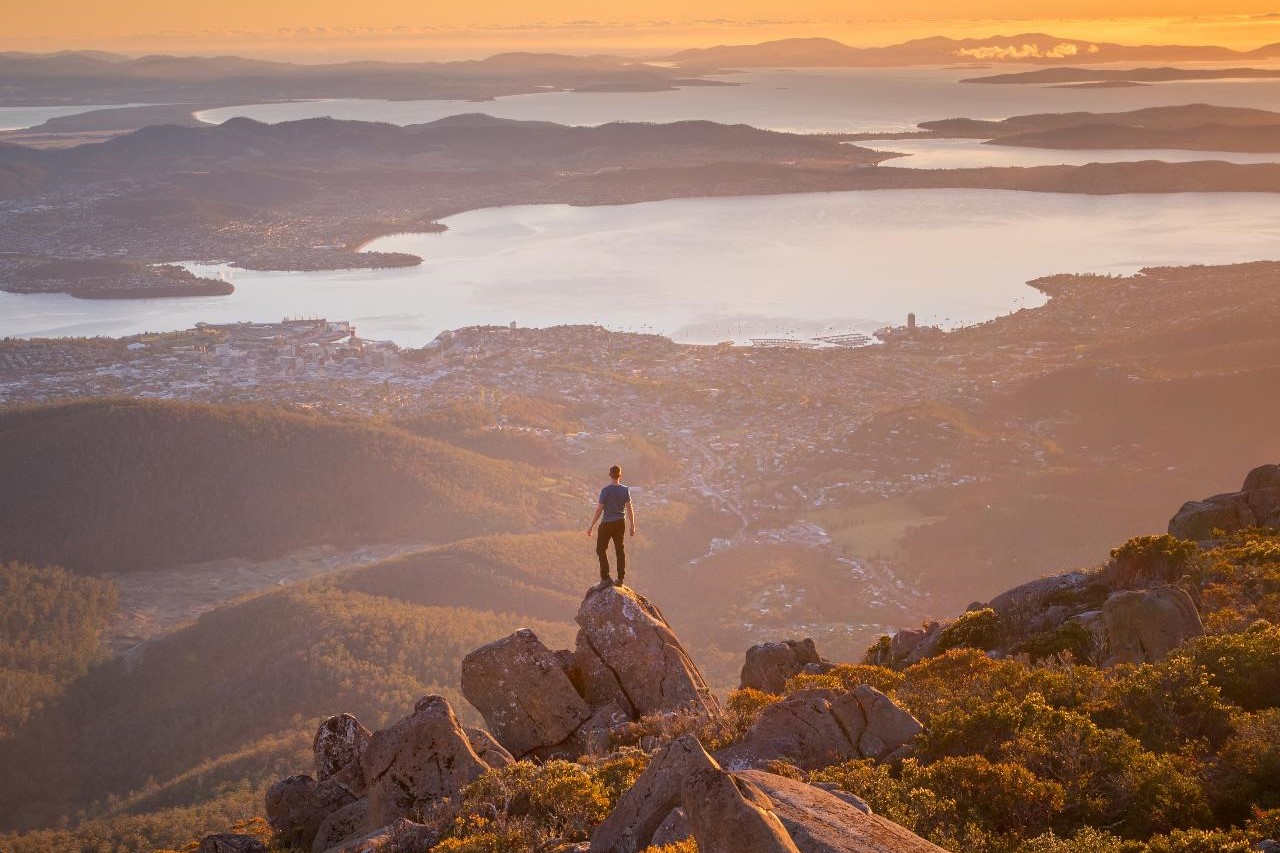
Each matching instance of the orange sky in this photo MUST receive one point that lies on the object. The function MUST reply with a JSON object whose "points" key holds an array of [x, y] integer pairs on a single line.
{"points": [[409, 28]]}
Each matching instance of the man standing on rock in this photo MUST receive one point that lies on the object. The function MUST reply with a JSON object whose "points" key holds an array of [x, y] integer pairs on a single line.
{"points": [[615, 505]]}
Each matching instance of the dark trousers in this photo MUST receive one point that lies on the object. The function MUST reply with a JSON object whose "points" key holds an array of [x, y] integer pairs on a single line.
{"points": [[615, 530]]}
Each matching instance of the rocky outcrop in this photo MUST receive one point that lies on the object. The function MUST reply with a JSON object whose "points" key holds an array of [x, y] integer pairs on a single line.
{"points": [[628, 654], [815, 728], [336, 748], [1145, 625], [1257, 504], [423, 758], [769, 665], [298, 805], [403, 836], [487, 748], [347, 822], [523, 692], [228, 842], [648, 804], [730, 815], [820, 821], [627, 663]]}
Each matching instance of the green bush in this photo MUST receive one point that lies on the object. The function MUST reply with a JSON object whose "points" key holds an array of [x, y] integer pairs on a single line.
{"points": [[976, 629]]}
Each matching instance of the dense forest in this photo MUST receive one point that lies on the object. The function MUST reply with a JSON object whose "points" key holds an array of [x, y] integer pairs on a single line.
{"points": [[50, 625], [127, 485]]}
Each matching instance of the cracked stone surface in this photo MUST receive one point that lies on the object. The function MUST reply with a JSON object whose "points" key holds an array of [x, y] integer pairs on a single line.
{"points": [[521, 689], [626, 647], [643, 809], [424, 757]]}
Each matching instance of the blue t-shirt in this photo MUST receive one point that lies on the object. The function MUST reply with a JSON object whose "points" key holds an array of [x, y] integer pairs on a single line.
{"points": [[614, 497]]}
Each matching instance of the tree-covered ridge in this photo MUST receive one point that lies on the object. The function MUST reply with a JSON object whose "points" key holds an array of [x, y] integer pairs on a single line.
{"points": [[50, 624], [126, 485]]}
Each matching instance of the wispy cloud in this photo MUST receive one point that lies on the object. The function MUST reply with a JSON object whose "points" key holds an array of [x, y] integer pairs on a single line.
{"points": [[1064, 50]]}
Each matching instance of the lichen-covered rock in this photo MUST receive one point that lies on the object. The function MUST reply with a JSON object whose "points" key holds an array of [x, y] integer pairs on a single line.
{"points": [[350, 821], [297, 805], [649, 802], [769, 665], [1256, 504], [820, 821], [521, 689], [887, 725], [1025, 600], [729, 815], [816, 728], [628, 654], [228, 842], [402, 836], [1145, 625], [488, 749], [803, 728], [423, 758], [337, 746], [673, 830]]}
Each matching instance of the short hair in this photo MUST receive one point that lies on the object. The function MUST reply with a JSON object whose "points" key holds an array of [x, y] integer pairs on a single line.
{"points": [[615, 472]]}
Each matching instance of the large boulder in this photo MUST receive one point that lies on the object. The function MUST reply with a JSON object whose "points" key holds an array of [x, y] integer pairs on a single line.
{"points": [[521, 689], [821, 822], [1144, 625], [348, 822], [628, 654], [1257, 504], [815, 728], [297, 805], [648, 804], [229, 842], [769, 665], [731, 815], [336, 749], [423, 758], [403, 836]]}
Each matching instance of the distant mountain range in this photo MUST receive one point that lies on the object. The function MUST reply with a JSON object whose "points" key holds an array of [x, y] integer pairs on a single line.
{"points": [[939, 50]]}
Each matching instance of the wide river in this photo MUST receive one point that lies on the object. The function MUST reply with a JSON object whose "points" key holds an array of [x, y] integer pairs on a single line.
{"points": [[704, 270]]}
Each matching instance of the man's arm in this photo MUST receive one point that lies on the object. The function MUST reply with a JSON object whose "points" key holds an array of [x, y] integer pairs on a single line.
{"points": [[631, 516], [595, 518]]}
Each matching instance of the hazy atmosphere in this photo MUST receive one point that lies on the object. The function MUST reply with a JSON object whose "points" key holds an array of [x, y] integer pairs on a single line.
{"points": [[614, 428]]}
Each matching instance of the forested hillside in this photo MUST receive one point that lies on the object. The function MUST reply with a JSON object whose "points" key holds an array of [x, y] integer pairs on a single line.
{"points": [[50, 621], [127, 485]]}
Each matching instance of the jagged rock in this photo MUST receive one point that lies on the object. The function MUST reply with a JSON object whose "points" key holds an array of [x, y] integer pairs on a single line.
{"points": [[674, 829], [911, 645], [227, 842], [337, 747], [815, 728], [819, 821], [488, 748], [403, 836], [521, 689], [423, 758], [1145, 625], [628, 654], [297, 805], [1256, 504], [643, 809], [730, 815], [347, 822], [769, 665]]}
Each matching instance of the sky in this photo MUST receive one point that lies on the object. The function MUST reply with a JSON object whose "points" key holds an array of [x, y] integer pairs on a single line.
{"points": [[402, 29]]}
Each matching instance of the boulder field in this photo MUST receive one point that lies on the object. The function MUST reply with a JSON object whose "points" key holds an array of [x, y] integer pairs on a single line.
{"points": [[627, 667]]}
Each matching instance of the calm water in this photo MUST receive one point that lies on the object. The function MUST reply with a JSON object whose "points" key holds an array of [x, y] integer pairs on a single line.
{"points": [[711, 269], [972, 153], [16, 118], [809, 100]]}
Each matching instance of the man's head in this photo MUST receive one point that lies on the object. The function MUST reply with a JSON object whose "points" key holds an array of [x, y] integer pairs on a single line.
{"points": [[615, 473]]}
